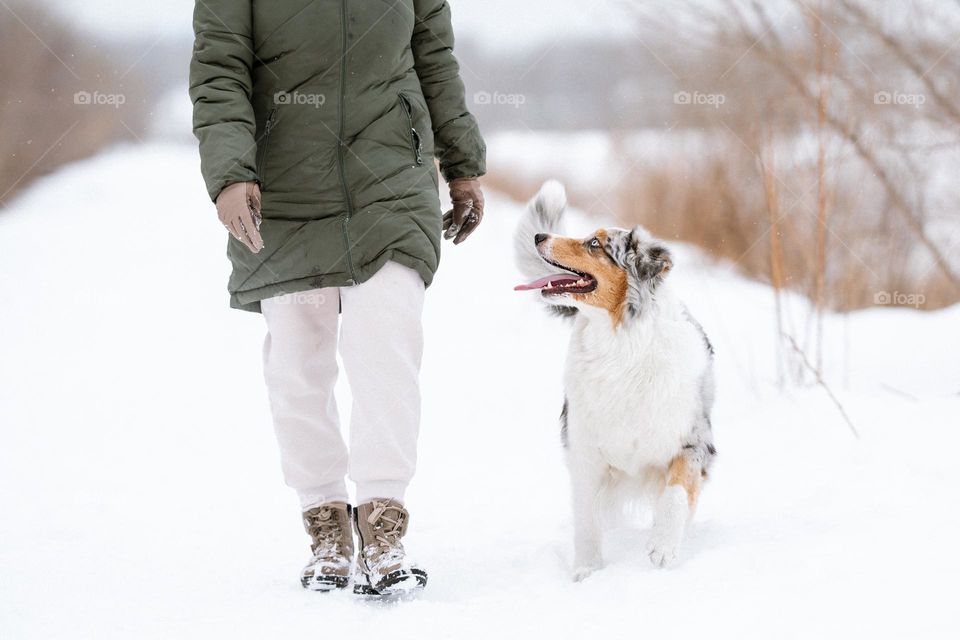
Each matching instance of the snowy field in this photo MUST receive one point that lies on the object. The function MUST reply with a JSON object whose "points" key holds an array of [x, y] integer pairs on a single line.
{"points": [[140, 491]]}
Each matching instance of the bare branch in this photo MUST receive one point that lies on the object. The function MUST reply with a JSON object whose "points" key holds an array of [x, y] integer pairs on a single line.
{"points": [[900, 51], [854, 138], [822, 383]]}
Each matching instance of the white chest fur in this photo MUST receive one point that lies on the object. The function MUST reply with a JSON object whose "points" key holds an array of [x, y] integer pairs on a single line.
{"points": [[633, 392]]}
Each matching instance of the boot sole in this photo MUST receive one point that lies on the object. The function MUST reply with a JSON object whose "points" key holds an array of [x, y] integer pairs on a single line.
{"points": [[397, 583], [325, 583]]}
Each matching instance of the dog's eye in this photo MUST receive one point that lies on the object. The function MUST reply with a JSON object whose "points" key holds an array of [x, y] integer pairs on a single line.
{"points": [[595, 243]]}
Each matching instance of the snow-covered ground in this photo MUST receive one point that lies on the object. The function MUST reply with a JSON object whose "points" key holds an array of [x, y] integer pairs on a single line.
{"points": [[140, 492]]}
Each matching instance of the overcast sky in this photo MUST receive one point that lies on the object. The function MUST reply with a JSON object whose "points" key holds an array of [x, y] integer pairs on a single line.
{"points": [[499, 23]]}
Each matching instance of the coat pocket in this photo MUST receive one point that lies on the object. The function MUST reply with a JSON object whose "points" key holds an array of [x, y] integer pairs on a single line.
{"points": [[416, 141], [264, 143]]}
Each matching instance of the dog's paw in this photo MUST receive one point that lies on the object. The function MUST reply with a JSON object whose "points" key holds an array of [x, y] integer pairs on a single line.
{"points": [[582, 573], [586, 560], [662, 553]]}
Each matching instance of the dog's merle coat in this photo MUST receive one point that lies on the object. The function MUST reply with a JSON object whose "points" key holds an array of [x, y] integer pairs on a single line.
{"points": [[652, 341]]}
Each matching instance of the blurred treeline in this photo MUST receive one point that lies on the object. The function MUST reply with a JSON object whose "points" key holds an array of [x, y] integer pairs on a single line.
{"points": [[65, 94]]}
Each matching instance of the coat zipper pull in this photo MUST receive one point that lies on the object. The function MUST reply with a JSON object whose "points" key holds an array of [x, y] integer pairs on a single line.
{"points": [[417, 146]]}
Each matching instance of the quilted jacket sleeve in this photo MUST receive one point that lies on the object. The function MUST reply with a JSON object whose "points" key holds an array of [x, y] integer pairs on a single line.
{"points": [[220, 88], [459, 145]]}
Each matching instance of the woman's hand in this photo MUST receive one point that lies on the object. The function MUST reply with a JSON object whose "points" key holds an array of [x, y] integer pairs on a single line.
{"points": [[238, 207], [467, 212]]}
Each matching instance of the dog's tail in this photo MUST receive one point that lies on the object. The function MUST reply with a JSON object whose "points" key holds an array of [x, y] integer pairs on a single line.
{"points": [[544, 214]]}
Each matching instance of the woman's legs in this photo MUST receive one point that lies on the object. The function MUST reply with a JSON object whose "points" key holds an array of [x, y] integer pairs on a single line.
{"points": [[381, 342], [300, 368]]}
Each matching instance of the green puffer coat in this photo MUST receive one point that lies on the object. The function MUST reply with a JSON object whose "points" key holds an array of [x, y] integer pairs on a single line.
{"points": [[338, 109]]}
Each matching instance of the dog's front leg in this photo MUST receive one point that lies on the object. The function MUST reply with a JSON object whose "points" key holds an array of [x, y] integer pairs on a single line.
{"points": [[587, 475], [674, 509]]}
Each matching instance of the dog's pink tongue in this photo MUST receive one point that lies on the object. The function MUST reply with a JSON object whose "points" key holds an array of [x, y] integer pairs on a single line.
{"points": [[543, 282]]}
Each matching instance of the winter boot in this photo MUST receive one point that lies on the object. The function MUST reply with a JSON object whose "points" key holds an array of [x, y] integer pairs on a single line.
{"points": [[383, 568], [331, 531]]}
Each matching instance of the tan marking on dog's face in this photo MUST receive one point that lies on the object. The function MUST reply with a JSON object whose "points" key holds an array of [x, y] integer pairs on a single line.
{"points": [[687, 475], [611, 291]]}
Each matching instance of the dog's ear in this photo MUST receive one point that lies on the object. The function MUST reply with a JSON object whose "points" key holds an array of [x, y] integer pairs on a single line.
{"points": [[653, 260]]}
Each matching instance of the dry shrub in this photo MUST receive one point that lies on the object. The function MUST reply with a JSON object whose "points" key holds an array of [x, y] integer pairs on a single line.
{"points": [[721, 205], [827, 151], [730, 199]]}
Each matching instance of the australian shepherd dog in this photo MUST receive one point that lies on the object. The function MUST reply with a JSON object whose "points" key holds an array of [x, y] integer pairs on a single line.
{"points": [[638, 381]]}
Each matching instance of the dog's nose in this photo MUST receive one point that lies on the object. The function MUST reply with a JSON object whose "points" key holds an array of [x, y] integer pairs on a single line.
{"points": [[539, 238]]}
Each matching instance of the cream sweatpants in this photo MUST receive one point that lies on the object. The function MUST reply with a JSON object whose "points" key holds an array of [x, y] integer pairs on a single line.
{"points": [[380, 339]]}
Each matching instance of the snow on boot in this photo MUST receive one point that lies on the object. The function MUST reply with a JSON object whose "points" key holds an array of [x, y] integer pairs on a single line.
{"points": [[331, 531], [383, 568]]}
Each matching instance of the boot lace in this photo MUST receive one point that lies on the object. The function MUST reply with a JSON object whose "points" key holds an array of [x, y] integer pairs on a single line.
{"points": [[326, 533], [387, 521]]}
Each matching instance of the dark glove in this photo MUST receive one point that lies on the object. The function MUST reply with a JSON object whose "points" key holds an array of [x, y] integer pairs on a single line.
{"points": [[467, 212], [238, 207]]}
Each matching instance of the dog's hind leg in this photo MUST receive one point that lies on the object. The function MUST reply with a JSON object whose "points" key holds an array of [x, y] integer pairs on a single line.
{"points": [[588, 476], [674, 508]]}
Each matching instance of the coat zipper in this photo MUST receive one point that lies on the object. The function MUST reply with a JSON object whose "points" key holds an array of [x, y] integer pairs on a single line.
{"points": [[264, 143], [416, 142], [341, 143]]}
